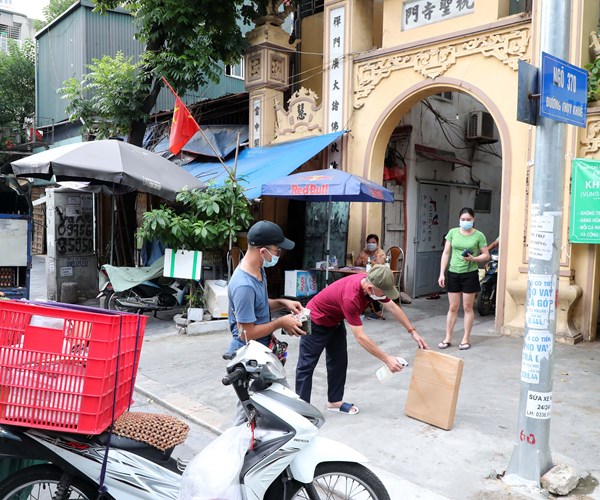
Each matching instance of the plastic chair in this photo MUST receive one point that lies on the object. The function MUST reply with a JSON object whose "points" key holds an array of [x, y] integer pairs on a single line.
{"points": [[396, 259]]}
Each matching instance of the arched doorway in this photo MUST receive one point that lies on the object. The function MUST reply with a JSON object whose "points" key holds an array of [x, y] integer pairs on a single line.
{"points": [[452, 142]]}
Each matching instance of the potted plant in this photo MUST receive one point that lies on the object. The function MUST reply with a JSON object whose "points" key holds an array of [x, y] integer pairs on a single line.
{"points": [[202, 220], [195, 301]]}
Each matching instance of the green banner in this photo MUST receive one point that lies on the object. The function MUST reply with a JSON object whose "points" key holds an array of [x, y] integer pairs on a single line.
{"points": [[585, 202]]}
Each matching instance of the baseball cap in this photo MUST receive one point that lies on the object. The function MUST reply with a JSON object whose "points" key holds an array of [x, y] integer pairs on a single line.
{"points": [[265, 233], [382, 277]]}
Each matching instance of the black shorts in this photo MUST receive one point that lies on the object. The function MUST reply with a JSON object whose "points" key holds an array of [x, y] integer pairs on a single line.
{"points": [[463, 282]]}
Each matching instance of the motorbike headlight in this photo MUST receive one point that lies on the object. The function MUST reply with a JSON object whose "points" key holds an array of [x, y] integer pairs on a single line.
{"points": [[259, 359]]}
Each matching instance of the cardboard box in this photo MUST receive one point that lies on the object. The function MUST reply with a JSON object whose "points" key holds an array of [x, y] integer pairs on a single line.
{"points": [[433, 389], [184, 264], [313, 287], [215, 298], [296, 284]]}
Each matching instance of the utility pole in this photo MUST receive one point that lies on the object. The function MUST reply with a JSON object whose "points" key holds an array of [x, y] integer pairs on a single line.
{"points": [[531, 457]]}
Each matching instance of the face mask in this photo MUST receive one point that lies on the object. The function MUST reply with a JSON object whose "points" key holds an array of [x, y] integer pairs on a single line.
{"points": [[371, 247], [466, 224], [377, 297], [273, 262]]}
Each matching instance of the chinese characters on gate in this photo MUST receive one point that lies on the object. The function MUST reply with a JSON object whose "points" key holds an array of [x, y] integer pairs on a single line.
{"points": [[335, 101], [418, 13]]}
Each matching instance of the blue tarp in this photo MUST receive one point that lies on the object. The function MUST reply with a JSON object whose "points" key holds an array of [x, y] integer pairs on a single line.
{"points": [[260, 165]]}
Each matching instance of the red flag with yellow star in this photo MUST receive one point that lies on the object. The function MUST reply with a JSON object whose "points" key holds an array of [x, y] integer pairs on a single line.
{"points": [[183, 126]]}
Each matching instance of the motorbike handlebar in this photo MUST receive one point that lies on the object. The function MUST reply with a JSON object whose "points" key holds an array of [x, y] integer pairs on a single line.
{"points": [[234, 376]]}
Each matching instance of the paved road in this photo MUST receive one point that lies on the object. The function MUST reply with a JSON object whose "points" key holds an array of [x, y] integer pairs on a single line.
{"points": [[415, 460]]}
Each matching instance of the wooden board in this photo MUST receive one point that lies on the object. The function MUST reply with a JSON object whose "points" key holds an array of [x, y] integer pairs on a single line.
{"points": [[433, 389]]}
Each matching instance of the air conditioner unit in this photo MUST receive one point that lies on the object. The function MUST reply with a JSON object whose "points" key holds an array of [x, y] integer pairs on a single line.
{"points": [[480, 127]]}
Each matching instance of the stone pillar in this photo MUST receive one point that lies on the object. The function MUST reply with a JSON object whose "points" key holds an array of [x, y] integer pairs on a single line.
{"points": [[267, 75]]}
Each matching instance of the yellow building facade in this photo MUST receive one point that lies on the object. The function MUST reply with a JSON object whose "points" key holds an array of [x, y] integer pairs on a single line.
{"points": [[368, 66]]}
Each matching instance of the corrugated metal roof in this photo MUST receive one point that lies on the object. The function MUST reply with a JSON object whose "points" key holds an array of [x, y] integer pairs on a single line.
{"points": [[79, 35]]}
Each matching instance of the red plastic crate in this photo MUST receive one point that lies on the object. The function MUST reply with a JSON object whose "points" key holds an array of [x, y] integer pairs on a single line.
{"points": [[63, 368]]}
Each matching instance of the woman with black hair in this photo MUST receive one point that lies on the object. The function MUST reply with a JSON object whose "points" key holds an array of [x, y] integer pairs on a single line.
{"points": [[465, 247]]}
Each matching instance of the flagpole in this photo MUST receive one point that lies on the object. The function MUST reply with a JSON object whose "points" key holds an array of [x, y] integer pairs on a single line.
{"points": [[233, 186], [231, 176]]}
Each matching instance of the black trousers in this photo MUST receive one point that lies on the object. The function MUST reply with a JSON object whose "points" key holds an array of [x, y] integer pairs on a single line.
{"points": [[333, 340]]}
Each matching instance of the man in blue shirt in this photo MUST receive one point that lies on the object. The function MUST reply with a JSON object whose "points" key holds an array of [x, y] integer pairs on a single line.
{"points": [[249, 304]]}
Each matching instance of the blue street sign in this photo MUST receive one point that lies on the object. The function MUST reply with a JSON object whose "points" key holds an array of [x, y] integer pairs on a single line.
{"points": [[563, 91]]}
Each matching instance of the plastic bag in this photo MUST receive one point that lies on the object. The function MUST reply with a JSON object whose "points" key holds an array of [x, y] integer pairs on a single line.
{"points": [[214, 473]]}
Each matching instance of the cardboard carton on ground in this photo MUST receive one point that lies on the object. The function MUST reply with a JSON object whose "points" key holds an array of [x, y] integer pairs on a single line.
{"points": [[433, 389]]}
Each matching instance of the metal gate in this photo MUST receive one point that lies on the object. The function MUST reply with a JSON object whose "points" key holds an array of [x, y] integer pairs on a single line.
{"points": [[432, 226]]}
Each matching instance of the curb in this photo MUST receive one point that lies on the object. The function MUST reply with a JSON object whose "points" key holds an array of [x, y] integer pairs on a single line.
{"points": [[196, 412]]}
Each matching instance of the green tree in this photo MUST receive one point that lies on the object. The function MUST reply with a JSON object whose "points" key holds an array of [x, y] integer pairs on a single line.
{"points": [[108, 99], [17, 92], [54, 9], [184, 42], [203, 220]]}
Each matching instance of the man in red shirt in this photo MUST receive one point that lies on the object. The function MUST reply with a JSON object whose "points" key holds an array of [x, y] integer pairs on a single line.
{"points": [[346, 299]]}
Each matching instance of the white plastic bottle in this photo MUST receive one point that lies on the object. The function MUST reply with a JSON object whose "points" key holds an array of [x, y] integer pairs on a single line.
{"points": [[384, 373]]}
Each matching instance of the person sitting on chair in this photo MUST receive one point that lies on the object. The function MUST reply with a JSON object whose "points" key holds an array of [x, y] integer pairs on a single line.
{"points": [[371, 254]]}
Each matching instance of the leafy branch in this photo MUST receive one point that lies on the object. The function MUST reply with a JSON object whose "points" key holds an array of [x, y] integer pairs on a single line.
{"points": [[203, 220]]}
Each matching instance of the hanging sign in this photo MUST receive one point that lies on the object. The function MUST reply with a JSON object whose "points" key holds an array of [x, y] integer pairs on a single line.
{"points": [[563, 91], [585, 202]]}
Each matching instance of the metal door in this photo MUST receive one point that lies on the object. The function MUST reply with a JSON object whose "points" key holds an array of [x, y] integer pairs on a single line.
{"points": [[432, 226]]}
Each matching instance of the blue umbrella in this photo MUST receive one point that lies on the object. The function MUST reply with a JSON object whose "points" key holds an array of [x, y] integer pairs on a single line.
{"points": [[327, 185]]}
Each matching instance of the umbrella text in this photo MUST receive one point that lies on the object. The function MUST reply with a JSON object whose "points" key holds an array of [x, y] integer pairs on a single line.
{"points": [[310, 189]]}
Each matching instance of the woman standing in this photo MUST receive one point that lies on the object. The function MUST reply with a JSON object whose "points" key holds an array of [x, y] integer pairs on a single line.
{"points": [[465, 247]]}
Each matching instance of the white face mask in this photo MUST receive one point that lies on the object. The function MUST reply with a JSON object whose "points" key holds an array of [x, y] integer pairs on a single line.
{"points": [[466, 224], [272, 262], [371, 247], [377, 297]]}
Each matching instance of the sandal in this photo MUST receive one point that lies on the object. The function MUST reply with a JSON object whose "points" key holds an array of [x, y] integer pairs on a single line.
{"points": [[347, 408], [444, 345], [464, 347]]}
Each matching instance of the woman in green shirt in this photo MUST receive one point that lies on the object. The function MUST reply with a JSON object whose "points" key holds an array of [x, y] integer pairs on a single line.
{"points": [[465, 248]]}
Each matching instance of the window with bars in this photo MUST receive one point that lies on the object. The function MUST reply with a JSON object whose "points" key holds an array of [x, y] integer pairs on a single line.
{"points": [[13, 31], [310, 7]]}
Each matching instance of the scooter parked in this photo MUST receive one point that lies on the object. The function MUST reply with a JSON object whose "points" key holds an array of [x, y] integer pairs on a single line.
{"points": [[287, 461], [139, 289], [486, 299]]}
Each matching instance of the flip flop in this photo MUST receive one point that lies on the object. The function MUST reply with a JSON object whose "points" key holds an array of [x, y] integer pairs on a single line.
{"points": [[345, 408], [444, 345], [464, 347]]}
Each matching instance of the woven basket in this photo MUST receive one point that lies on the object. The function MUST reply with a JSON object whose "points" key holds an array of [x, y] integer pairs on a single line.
{"points": [[156, 429]]}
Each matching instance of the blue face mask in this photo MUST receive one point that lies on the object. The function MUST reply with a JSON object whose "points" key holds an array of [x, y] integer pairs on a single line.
{"points": [[273, 262], [466, 224]]}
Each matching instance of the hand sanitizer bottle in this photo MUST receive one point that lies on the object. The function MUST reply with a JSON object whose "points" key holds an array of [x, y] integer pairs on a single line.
{"points": [[384, 374]]}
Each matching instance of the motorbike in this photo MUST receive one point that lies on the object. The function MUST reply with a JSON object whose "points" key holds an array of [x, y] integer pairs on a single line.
{"points": [[486, 299], [139, 289], [287, 460]]}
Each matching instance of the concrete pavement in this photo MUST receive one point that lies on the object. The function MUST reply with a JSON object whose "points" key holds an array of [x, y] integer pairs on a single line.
{"points": [[414, 459]]}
